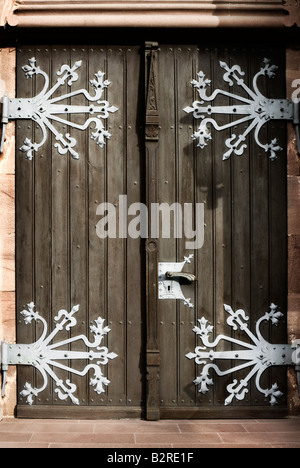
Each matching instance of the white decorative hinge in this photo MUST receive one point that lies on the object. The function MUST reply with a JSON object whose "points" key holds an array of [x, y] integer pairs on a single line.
{"points": [[253, 108], [256, 355], [45, 109], [46, 355], [169, 276]]}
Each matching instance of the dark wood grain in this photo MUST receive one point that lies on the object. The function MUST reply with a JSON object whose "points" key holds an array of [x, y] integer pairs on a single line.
{"points": [[151, 158]]}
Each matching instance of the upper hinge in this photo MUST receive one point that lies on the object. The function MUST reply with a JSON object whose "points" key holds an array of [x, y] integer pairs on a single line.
{"points": [[250, 108], [45, 109]]}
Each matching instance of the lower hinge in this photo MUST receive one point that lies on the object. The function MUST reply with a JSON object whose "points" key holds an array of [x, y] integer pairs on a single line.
{"points": [[253, 356], [46, 355]]}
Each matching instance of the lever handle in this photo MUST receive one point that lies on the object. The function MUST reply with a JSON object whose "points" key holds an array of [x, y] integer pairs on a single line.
{"points": [[2, 138], [3, 383], [4, 121], [298, 138], [298, 377], [296, 359], [178, 274], [3, 364], [297, 123]]}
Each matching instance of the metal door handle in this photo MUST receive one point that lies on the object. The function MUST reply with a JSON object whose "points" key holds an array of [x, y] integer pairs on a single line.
{"points": [[186, 276], [169, 274], [4, 121], [297, 123], [3, 364]]}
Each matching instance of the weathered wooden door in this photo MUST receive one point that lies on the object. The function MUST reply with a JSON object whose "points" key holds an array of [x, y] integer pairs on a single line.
{"points": [[61, 261], [151, 158], [242, 262]]}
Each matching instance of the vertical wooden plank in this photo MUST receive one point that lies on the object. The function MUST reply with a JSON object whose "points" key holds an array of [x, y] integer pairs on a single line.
{"points": [[241, 209], [135, 267], [24, 220], [79, 201], [186, 177], [222, 214], [116, 157], [205, 193], [60, 204], [61, 272], [43, 216], [260, 262], [97, 256], [278, 220], [241, 241], [168, 323]]}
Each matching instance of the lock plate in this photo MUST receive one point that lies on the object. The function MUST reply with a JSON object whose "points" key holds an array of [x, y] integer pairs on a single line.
{"points": [[170, 288]]}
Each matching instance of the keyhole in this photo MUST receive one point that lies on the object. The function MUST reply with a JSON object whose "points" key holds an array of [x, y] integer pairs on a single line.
{"points": [[169, 288]]}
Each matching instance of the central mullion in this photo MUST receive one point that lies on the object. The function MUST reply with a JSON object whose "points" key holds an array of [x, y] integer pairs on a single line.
{"points": [[152, 246]]}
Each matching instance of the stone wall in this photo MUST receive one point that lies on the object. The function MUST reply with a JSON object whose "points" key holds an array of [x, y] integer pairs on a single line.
{"points": [[6, 10], [293, 73], [147, 13]]}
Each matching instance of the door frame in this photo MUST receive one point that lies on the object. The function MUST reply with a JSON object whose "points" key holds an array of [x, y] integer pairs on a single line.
{"points": [[7, 168]]}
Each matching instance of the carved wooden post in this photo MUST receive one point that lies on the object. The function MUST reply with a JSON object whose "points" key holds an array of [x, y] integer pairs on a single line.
{"points": [[151, 152]]}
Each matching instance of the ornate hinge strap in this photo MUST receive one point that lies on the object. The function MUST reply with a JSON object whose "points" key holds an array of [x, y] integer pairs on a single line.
{"points": [[45, 109], [257, 355], [253, 109], [46, 356]]}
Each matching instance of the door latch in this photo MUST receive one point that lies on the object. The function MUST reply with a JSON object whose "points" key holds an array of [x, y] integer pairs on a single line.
{"points": [[46, 356], [297, 123], [296, 360], [4, 364], [170, 277], [4, 121]]}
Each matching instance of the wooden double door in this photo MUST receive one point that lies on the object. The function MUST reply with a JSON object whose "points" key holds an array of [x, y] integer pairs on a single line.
{"points": [[63, 260]]}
